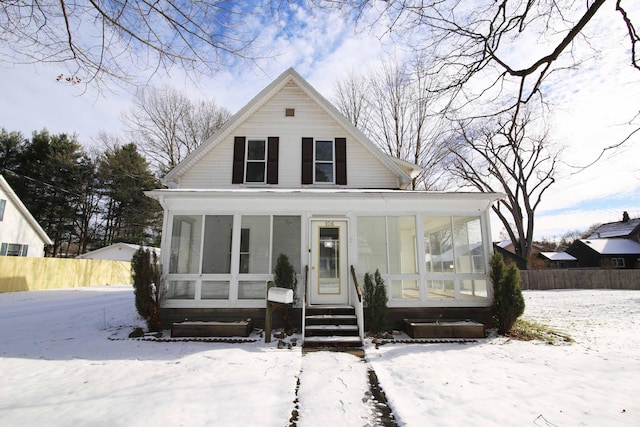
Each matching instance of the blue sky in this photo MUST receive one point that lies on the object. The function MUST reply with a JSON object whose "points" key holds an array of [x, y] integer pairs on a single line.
{"points": [[591, 107]]}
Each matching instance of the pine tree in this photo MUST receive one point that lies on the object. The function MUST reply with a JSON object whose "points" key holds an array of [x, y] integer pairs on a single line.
{"points": [[148, 287], [284, 276], [375, 298], [508, 300]]}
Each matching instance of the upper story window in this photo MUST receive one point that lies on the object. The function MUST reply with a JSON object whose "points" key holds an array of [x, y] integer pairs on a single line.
{"points": [[255, 160], [2, 205], [256, 163], [324, 162]]}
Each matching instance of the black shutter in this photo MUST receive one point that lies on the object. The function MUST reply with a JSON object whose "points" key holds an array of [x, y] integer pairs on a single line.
{"points": [[307, 160], [238, 160], [272, 160], [341, 161]]}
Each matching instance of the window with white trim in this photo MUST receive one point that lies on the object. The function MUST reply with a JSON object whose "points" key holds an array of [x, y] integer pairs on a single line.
{"points": [[324, 162], [3, 203], [13, 249], [256, 161]]}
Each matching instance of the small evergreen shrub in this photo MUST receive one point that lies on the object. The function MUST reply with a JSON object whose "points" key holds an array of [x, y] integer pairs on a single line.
{"points": [[375, 299], [284, 276], [508, 299], [148, 287]]}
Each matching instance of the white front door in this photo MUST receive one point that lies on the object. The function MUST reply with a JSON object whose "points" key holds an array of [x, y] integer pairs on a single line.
{"points": [[329, 281]]}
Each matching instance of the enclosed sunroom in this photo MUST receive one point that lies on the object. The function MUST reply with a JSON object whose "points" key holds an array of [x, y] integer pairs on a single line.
{"points": [[431, 249]]}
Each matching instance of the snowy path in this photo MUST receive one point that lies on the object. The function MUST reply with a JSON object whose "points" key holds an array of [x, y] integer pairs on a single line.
{"points": [[334, 390]]}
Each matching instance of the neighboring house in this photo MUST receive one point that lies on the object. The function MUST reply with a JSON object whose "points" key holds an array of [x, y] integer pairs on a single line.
{"points": [[611, 245], [288, 174], [116, 252], [606, 253], [557, 260], [626, 229], [20, 233], [508, 251], [508, 255]]}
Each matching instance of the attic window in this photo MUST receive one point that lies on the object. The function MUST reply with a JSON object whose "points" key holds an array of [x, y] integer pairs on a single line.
{"points": [[289, 112]]}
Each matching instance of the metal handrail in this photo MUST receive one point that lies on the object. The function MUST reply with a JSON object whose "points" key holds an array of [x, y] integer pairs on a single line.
{"points": [[356, 284], [304, 300], [358, 305]]}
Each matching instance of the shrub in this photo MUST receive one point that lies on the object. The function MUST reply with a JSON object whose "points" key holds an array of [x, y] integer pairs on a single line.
{"points": [[284, 276], [375, 299], [508, 299], [148, 287]]}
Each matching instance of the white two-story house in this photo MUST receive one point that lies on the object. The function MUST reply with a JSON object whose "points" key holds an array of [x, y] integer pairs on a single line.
{"points": [[290, 174]]}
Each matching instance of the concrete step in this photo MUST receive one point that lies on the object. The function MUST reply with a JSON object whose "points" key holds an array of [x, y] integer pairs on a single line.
{"points": [[332, 341], [331, 327]]}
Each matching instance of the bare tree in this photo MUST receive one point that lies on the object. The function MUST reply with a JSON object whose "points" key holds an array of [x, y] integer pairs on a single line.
{"points": [[514, 156], [351, 99], [394, 108], [111, 38], [489, 49], [166, 125]]}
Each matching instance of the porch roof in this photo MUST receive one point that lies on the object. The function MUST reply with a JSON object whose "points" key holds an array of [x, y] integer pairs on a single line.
{"points": [[314, 199]]}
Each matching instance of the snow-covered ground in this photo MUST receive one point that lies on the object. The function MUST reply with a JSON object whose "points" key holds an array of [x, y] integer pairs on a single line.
{"points": [[65, 360]]}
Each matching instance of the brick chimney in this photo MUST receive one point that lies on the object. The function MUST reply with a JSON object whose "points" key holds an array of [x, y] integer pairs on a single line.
{"points": [[625, 216]]}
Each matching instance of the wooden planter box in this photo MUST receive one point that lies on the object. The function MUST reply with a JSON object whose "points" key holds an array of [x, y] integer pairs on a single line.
{"points": [[417, 328], [189, 328]]}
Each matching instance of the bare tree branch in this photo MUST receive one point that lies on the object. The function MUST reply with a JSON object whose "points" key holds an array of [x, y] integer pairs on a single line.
{"points": [[109, 39]]}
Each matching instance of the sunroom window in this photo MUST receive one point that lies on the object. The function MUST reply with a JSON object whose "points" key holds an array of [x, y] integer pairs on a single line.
{"points": [[229, 257], [388, 244], [454, 258]]}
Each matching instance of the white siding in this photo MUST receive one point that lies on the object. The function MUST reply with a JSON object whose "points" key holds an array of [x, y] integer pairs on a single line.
{"points": [[16, 229], [364, 170]]}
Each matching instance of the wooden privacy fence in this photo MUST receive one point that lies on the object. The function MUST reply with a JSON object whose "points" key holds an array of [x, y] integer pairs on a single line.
{"points": [[25, 273], [580, 279]]}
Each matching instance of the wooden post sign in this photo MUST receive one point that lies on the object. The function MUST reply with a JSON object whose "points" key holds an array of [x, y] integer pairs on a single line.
{"points": [[275, 297]]}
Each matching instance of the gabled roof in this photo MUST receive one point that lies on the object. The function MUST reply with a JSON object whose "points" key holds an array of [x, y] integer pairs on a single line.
{"points": [[613, 246], [399, 168], [117, 246], [558, 256], [24, 211], [616, 229]]}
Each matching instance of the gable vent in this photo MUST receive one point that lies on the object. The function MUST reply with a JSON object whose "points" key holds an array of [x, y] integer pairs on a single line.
{"points": [[289, 112]]}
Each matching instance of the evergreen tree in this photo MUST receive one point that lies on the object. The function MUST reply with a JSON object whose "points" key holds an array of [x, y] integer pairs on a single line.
{"points": [[284, 276], [375, 298], [148, 287], [128, 215], [508, 300], [48, 183]]}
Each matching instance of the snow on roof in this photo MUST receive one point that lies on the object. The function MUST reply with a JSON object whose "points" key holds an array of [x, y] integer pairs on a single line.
{"points": [[615, 229], [613, 246], [558, 256]]}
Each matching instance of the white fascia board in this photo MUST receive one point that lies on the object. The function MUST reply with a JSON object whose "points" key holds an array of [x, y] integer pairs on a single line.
{"points": [[365, 202]]}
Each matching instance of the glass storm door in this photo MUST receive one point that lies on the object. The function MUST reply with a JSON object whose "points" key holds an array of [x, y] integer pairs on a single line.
{"points": [[329, 279]]}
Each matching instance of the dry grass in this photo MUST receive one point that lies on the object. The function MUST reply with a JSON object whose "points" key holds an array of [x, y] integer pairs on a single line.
{"points": [[529, 330]]}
